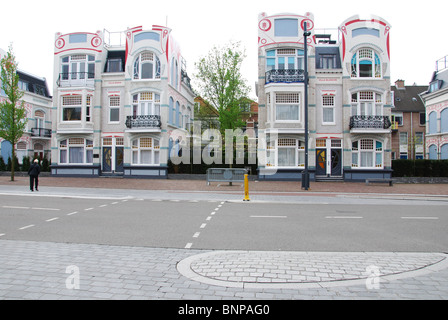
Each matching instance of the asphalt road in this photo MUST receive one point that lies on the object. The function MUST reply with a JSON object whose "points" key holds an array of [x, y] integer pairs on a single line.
{"points": [[233, 225]]}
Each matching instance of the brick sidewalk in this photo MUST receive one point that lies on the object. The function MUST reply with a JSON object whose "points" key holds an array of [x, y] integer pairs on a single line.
{"points": [[254, 186]]}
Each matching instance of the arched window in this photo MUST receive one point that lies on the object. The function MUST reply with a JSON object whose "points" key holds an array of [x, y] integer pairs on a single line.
{"points": [[146, 151], [444, 120], [367, 154], [147, 66], [432, 122], [433, 152], [366, 63], [444, 152]]}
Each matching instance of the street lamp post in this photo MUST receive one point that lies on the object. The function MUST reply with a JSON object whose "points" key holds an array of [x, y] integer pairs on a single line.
{"points": [[305, 173]]}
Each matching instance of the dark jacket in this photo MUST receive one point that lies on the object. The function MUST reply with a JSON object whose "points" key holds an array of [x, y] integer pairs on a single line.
{"points": [[34, 170]]}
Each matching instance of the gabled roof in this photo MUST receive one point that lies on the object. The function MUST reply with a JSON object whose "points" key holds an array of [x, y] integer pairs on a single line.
{"points": [[408, 99]]}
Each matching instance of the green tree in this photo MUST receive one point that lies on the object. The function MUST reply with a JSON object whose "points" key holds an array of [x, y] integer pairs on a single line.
{"points": [[12, 110], [221, 83]]}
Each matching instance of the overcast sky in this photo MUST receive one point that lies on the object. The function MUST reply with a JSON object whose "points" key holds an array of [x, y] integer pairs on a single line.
{"points": [[418, 33]]}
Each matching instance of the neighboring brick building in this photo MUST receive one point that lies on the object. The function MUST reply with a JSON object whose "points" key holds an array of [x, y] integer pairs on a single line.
{"points": [[408, 121]]}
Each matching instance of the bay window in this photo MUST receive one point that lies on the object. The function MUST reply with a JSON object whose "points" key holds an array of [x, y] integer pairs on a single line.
{"points": [[76, 151], [287, 107], [71, 108]]}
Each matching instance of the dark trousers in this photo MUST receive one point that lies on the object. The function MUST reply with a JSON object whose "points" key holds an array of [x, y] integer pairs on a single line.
{"points": [[34, 180]]}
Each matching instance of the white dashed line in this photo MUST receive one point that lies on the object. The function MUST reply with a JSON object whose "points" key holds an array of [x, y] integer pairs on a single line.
{"points": [[88, 209], [203, 225], [420, 218], [189, 245], [196, 235], [72, 213], [52, 219], [27, 227]]}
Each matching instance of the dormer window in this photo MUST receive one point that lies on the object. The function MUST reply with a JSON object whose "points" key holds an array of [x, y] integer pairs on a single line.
{"points": [[147, 66], [435, 85]]}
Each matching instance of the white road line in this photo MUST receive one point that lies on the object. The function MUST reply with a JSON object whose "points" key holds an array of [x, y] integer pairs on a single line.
{"points": [[343, 217], [2, 234], [270, 217], [70, 214], [27, 227], [114, 202], [203, 225], [188, 246], [420, 218], [208, 218], [213, 213], [46, 209], [88, 209], [103, 206], [196, 235], [216, 209], [52, 219], [14, 207]]}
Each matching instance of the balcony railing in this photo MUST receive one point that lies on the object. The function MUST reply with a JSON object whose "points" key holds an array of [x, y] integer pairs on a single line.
{"points": [[370, 122], [42, 133], [285, 76], [150, 122], [76, 79]]}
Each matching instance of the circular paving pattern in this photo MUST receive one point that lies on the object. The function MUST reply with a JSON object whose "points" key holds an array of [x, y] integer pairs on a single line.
{"points": [[249, 269]]}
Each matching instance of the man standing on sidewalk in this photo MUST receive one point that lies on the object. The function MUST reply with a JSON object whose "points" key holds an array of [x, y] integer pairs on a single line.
{"points": [[33, 172]]}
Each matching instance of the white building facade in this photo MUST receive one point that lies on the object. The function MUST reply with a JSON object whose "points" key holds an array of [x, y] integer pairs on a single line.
{"points": [[349, 104], [117, 98], [36, 141]]}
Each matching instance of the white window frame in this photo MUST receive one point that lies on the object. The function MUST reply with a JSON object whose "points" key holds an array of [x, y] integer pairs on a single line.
{"points": [[361, 153], [71, 102], [361, 102], [146, 104], [77, 67], [66, 144], [114, 105], [139, 147], [370, 55], [147, 57], [297, 55], [328, 104], [274, 147], [287, 99]]}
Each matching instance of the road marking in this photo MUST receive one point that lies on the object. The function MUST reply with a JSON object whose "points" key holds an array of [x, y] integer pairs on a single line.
{"points": [[203, 225], [196, 235], [188, 246], [2, 234], [343, 217], [103, 206], [420, 218], [70, 214], [46, 209], [208, 218], [14, 207], [270, 217], [52, 219], [114, 202], [88, 209], [27, 227], [213, 213]]}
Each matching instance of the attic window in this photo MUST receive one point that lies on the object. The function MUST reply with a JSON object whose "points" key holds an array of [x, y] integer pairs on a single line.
{"points": [[435, 85]]}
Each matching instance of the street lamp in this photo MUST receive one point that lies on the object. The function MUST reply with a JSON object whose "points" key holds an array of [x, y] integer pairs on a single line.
{"points": [[305, 173]]}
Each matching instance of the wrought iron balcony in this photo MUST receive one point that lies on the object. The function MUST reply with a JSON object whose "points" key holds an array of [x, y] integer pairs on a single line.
{"points": [[150, 122], [42, 133], [285, 76], [370, 122]]}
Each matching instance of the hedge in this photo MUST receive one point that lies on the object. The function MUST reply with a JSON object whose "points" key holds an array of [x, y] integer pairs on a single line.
{"points": [[420, 168]]}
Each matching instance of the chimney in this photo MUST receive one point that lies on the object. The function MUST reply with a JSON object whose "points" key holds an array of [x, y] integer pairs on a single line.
{"points": [[399, 84]]}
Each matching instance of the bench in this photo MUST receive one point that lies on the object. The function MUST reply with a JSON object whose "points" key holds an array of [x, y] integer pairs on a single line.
{"points": [[229, 175], [379, 180]]}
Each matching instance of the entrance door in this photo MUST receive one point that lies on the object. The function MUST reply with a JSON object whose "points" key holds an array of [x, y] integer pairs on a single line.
{"points": [[329, 158], [113, 155]]}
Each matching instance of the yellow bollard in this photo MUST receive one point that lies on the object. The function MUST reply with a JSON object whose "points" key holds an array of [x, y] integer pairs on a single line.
{"points": [[246, 188]]}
